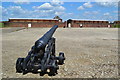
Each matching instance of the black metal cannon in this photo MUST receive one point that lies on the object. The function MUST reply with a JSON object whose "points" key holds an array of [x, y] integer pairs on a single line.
{"points": [[41, 57]]}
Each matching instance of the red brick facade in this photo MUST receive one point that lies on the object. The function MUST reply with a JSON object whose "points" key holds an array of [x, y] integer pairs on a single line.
{"points": [[52, 22], [34, 23], [87, 23]]}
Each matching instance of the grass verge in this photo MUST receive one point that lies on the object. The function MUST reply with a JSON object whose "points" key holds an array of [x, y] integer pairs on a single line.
{"points": [[1, 25]]}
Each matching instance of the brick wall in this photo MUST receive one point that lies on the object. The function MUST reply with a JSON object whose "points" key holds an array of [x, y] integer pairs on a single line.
{"points": [[52, 22], [90, 25], [33, 24], [77, 23]]}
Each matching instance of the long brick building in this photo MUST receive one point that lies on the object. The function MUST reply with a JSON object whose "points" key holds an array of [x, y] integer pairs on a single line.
{"points": [[87, 23], [24, 22]]}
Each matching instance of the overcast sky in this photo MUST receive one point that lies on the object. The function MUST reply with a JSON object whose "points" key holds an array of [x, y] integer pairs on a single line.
{"points": [[66, 10]]}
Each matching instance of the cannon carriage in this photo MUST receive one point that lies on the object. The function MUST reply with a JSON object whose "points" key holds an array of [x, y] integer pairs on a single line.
{"points": [[42, 56]]}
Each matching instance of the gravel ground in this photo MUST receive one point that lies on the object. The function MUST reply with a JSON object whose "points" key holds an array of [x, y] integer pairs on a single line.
{"points": [[11, 29], [90, 52]]}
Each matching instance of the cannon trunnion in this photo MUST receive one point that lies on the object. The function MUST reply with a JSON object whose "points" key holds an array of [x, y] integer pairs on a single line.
{"points": [[42, 57]]}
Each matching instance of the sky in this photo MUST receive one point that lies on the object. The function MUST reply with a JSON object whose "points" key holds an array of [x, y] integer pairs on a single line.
{"points": [[66, 10]]}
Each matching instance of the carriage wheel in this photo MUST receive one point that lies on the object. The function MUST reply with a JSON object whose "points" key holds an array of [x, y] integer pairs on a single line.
{"points": [[61, 58], [19, 65]]}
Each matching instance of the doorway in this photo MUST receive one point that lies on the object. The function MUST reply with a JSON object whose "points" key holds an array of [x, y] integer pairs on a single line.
{"points": [[69, 23], [29, 25]]}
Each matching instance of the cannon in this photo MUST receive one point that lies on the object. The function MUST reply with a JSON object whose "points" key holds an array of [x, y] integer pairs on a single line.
{"points": [[42, 57]]}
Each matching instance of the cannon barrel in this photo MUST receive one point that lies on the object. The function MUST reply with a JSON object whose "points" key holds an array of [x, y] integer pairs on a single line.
{"points": [[42, 42], [41, 56]]}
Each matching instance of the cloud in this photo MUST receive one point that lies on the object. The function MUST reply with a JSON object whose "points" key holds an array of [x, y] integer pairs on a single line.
{"points": [[87, 5], [48, 6], [42, 13], [59, 13], [59, 8], [87, 13], [0, 13], [56, 2], [45, 10], [107, 0], [22, 1], [80, 8], [95, 12], [18, 10], [48, 10], [107, 3], [15, 12], [66, 16], [45, 6], [96, 16], [0, 9], [4, 11], [106, 14], [115, 11], [91, 13], [70, 13], [109, 17]]}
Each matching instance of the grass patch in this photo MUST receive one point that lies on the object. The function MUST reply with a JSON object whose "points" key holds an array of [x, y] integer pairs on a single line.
{"points": [[116, 26], [1, 25]]}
